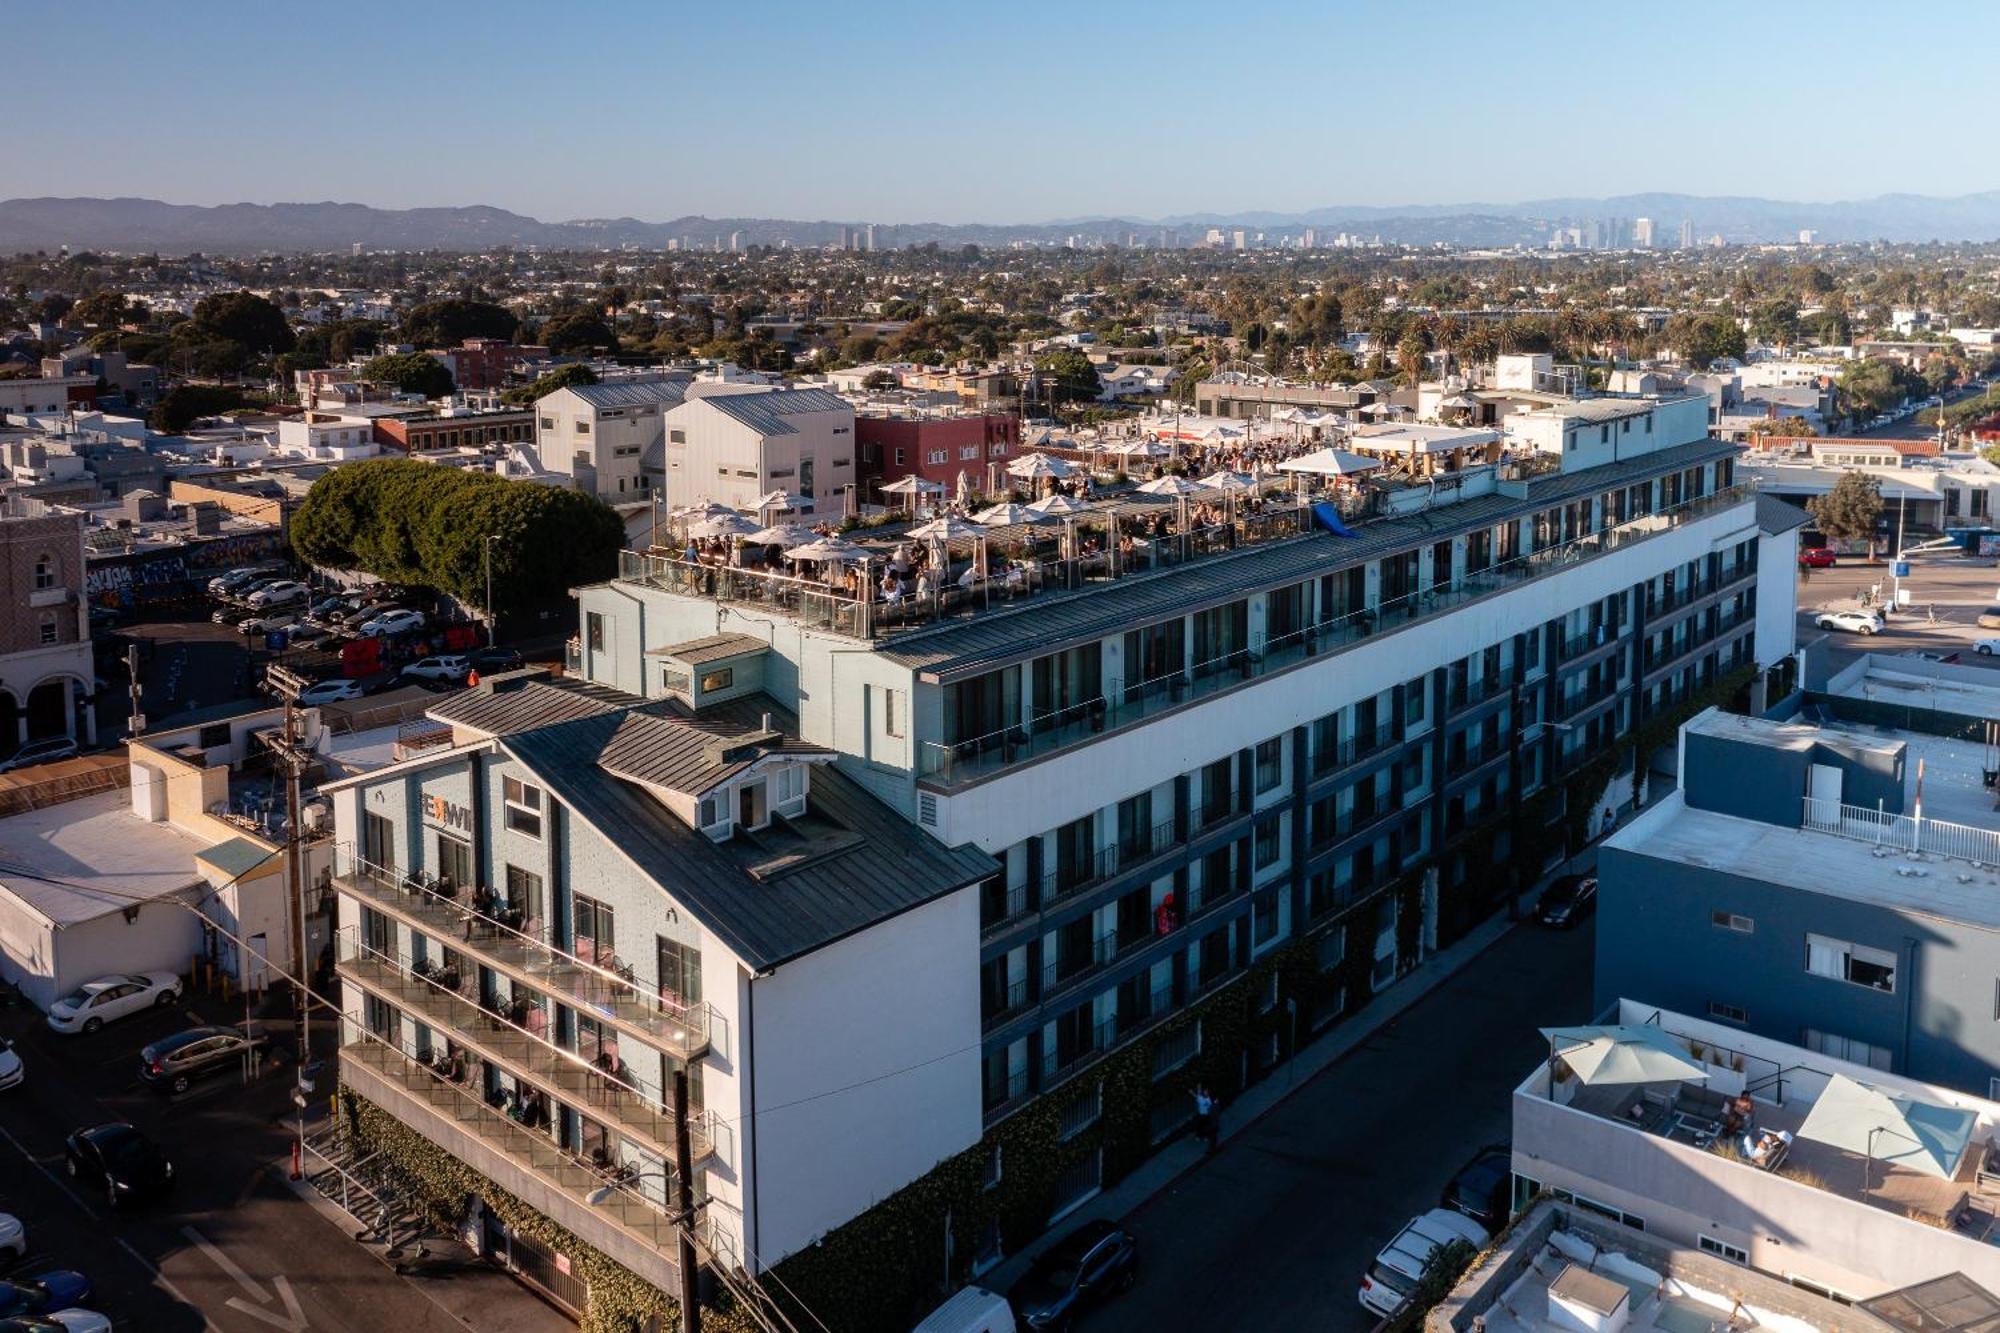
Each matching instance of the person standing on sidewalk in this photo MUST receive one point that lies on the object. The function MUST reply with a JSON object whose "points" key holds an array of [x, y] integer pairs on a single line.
{"points": [[1207, 1123]]}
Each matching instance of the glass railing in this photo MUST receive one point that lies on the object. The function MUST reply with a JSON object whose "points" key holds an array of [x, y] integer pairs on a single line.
{"points": [[502, 938], [531, 1150], [951, 763], [517, 1039]]}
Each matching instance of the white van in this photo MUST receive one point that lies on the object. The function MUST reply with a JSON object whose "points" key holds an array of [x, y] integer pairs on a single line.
{"points": [[1397, 1270], [972, 1310]]}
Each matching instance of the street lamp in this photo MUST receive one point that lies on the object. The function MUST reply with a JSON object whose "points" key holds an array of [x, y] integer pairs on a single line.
{"points": [[486, 549]]}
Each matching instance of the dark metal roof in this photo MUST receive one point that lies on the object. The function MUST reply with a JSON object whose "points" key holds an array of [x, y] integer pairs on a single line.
{"points": [[668, 393], [1048, 624], [690, 754], [1775, 516], [770, 896], [500, 705], [714, 648], [765, 413]]}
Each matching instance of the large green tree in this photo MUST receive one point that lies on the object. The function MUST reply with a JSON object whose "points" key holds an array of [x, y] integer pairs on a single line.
{"points": [[1850, 510], [412, 372], [560, 378], [1069, 374], [185, 404], [244, 318], [412, 522], [449, 323], [579, 333]]}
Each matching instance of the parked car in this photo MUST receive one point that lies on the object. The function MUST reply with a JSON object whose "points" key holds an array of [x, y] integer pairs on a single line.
{"points": [[72, 1320], [1850, 622], [125, 1163], [1986, 647], [230, 615], [1990, 618], [336, 691], [1567, 901], [243, 592], [281, 593], [970, 1310], [1483, 1187], [451, 669], [493, 661], [1082, 1268], [238, 579], [13, 1073], [395, 620], [95, 1003], [307, 635], [174, 1063], [264, 623], [1818, 557], [323, 607], [1400, 1266], [40, 752], [57, 1290], [13, 1237]]}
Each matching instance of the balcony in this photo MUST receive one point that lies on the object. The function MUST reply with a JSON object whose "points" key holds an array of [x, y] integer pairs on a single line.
{"points": [[641, 1233], [521, 1049], [518, 951], [1058, 1063], [949, 764]]}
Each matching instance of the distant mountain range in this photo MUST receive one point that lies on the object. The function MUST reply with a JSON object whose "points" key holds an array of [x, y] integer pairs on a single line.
{"points": [[148, 225]]}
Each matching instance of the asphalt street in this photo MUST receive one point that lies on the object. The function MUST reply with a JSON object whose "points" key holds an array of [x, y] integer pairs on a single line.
{"points": [[1275, 1231], [233, 1250], [1957, 587]]}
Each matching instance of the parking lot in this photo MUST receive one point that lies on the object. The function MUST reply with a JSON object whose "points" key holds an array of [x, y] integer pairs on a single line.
{"points": [[1957, 587], [233, 1249]]}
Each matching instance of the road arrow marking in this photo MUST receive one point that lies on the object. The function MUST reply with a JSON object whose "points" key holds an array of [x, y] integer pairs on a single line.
{"points": [[294, 1320]]}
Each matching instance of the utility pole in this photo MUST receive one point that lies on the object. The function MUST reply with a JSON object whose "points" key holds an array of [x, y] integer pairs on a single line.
{"points": [[137, 722], [684, 1203], [292, 753], [487, 548]]}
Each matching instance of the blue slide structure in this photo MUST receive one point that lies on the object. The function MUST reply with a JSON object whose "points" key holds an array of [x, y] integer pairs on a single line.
{"points": [[1328, 516]]}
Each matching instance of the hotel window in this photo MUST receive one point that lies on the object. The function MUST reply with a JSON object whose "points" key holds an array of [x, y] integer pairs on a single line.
{"points": [[1855, 963], [592, 922], [1721, 1249], [1849, 1049], [45, 574], [48, 629], [679, 971], [524, 895], [1270, 763], [524, 806], [1270, 841]]}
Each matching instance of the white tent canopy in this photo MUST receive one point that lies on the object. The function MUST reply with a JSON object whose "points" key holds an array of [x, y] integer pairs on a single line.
{"points": [[950, 528], [913, 485], [1170, 485], [1040, 465], [1330, 463], [1890, 1127], [722, 525], [780, 500], [1061, 506], [785, 534], [1006, 515], [829, 548], [1226, 480], [1623, 1053]]}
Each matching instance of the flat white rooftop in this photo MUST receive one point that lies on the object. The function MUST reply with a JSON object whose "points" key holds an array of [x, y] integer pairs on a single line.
{"points": [[51, 858]]}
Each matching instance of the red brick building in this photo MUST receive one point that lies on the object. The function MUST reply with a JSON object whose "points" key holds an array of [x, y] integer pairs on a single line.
{"points": [[934, 448], [483, 363], [414, 434]]}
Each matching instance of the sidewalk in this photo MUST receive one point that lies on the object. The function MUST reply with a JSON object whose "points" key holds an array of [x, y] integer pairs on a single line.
{"points": [[1159, 1171]]}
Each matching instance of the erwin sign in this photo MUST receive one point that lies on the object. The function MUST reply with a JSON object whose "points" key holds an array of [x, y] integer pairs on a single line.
{"points": [[440, 811]]}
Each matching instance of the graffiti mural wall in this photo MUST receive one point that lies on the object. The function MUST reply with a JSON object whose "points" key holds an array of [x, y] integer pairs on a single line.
{"points": [[173, 573]]}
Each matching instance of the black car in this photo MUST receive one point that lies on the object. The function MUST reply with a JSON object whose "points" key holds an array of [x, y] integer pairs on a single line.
{"points": [[171, 1064], [1082, 1268], [1480, 1189], [493, 661], [1567, 901], [125, 1163]]}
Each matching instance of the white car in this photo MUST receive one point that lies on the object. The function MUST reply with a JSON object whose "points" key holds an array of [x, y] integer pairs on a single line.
{"points": [[95, 1003], [1851, 622], [12, 1073], [77, 1320], [1396, 1271], [451, 669], [265, 624], [1986, 647], [279, 593], [394, 621], [336, 691], [39, 752], [13, 1236]]}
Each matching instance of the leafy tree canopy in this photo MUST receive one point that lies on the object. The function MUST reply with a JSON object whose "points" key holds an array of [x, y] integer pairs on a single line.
{"points": [[1849, 511], [412, 522], [579, 333], [185, 404], [1073, 378], [412, 372], [449, 323], [243, 318]]}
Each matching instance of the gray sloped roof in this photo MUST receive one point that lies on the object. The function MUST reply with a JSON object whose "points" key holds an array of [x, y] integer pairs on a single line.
{"points": [[1775, 516], [766, 413], [623, 394], [770, 898], [528, 704], [691, 754], [1047, 624]]}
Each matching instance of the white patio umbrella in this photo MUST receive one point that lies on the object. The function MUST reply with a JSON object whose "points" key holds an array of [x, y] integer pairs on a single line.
{"points": [[1623, 1053], [1141, 449], [1226, 480], [1038, 466], [700, 509], [828, 548], [731, 524], [780, 500], [912, 485], [1171, 485], [1330, 463], [787, 535], [1009, 514], [1891, 1127], [1061, 506]]}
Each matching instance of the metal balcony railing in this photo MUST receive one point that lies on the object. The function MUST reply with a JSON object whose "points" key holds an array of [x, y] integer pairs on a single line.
{"points": [[1904, 833], [633, 1211], [519, 949], [517, 1039]]}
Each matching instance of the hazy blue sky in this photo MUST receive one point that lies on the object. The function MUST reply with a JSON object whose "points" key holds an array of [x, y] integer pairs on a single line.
{"points": [[1024, 111]]}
